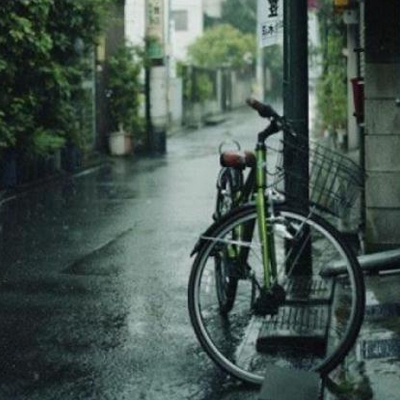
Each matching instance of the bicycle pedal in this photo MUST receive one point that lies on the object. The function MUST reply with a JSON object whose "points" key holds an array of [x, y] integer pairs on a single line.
{"points": [[265, 304]]}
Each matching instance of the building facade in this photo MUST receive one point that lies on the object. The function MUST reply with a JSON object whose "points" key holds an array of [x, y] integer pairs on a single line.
{"points": [[373, 52], [381, 24], [187, 17]]}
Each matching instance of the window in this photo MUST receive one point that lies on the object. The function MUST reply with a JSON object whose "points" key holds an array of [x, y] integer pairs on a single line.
{"points": [[180, 17]]}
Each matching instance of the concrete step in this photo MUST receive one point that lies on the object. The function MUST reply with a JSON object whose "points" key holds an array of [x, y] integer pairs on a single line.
{"points": [[302, 328]]}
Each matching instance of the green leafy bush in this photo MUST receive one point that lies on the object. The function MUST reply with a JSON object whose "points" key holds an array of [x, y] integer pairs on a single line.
{"points": [[125, 89], [198, 83], [242, 14], [44, 48], [223, 46], [332, 85], [332, 88]]}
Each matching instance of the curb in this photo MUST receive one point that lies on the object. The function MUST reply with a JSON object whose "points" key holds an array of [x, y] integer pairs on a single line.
{"points": [[7, 195]]}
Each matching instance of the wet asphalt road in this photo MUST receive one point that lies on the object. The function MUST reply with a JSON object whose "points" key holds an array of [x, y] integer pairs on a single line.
{"points": [[94, 273]]}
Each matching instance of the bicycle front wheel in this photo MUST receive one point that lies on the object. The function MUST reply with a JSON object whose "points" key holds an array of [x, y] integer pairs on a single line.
{"points": [[320, 317]]}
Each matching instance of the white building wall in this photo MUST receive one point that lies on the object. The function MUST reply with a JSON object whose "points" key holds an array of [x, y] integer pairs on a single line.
{"points": [[183, 39], [135, 21], [213, 8]]}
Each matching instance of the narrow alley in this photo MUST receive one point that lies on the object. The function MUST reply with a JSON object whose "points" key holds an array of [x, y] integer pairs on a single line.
{"points": [[94, 275]]}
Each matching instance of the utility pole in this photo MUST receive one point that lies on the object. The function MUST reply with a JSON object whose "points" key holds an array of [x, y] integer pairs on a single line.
{"points": [[296, 163], [156, 75]]}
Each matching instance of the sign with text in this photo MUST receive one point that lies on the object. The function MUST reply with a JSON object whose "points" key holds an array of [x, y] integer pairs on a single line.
{"points": [[270, 22], [155, 27]]}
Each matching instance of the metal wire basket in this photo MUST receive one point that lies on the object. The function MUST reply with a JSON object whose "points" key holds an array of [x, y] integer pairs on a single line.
{"points": [[335, 182]]}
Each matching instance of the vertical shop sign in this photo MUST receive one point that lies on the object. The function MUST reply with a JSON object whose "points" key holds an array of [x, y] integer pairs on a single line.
{"points": [[270, 22], [155, 28]]}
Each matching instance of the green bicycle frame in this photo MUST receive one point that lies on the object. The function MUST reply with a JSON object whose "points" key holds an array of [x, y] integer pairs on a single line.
{"points": [[266, 236]]}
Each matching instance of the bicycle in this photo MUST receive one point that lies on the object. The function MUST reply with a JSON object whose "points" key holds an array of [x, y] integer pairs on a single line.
{"points": [[261, 289]]}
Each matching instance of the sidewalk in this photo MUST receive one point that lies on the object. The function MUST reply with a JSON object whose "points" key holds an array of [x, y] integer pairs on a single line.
{"points": [[96, 161], [372, 370]]}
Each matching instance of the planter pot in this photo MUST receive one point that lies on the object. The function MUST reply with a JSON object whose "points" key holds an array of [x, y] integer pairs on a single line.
{"points": [[120, 144], [341, 138]]}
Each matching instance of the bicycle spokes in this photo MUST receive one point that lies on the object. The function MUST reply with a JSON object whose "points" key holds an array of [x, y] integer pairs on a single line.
{"points": [[246, 326]]}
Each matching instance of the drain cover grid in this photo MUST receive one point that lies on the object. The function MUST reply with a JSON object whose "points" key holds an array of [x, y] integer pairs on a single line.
{"points": [[381, 348]]}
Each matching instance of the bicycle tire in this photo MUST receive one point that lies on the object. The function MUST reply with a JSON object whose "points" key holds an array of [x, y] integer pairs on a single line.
{"points": [[222, 336], [229, 185], [226, 285]]}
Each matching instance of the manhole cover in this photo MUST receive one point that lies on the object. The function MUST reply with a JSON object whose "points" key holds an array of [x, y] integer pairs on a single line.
{"points": [[382, 348]]}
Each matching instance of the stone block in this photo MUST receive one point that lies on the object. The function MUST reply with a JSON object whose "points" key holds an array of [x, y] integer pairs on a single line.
{"points": [[289, 384], [382, 81], [382, 190], [382, 153], [382, 31], [382, 228], [382, 117]]}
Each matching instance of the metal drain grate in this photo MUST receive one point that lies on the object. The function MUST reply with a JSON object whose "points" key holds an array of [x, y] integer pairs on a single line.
{"points": [[299, 327], [382, 348], [304, 289]]}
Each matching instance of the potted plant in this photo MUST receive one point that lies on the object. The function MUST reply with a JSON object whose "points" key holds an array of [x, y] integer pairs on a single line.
{"points": [[124, 95]]}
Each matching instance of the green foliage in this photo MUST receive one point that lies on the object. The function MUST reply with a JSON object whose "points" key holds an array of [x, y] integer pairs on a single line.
{"points": [[242, 14], [44, 47], [332, 86], [198, 84], [125, 89], [204, 87], [222, 46]]}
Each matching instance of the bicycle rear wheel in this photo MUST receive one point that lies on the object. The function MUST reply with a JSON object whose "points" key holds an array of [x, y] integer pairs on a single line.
{"points": [[229, 186], [322, 314], [225, 283]]}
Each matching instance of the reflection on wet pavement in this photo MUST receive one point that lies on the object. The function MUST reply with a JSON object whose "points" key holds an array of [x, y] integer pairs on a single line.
{"points": [[94, 274]]}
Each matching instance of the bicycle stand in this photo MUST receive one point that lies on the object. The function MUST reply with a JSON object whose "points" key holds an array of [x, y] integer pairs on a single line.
{"points": [[383, 261], [286, 384]]}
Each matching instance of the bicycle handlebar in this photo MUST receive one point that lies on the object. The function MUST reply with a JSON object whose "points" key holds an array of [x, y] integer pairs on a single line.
{"points": [[264, 110]]}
